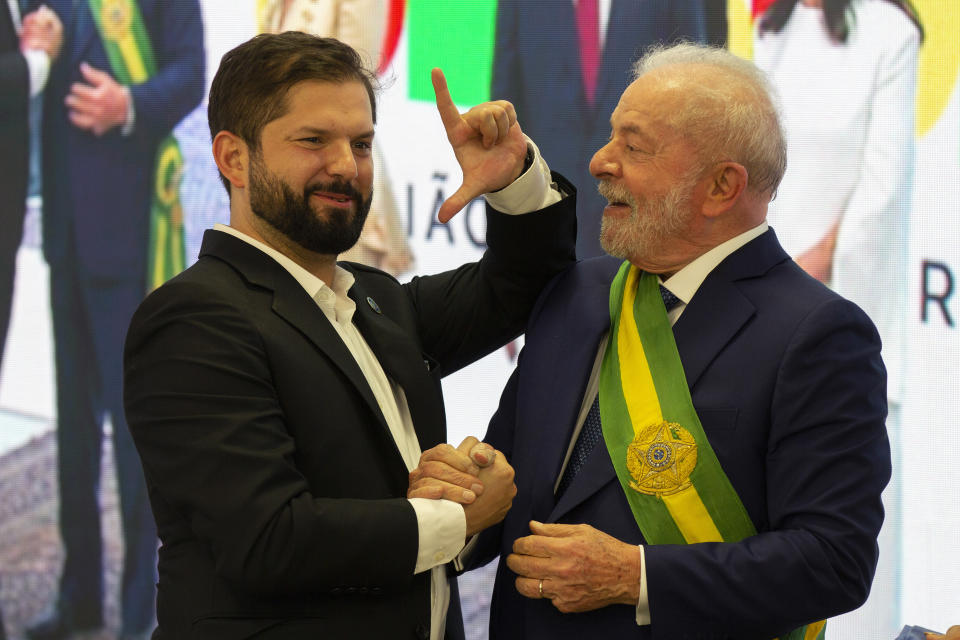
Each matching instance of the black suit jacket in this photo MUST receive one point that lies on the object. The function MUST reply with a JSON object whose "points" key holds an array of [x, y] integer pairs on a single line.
{"points": [[277, 487], [14, 100]]}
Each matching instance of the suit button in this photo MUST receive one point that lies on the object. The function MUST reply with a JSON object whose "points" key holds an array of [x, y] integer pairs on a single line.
{"points": [[351, 589], [336, 591]]}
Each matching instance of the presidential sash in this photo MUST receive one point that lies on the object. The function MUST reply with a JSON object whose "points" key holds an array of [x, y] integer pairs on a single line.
{"points": [[132, 62], [676, 488]]}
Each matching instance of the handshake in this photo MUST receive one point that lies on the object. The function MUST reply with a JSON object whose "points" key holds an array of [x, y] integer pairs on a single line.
{"points": [[474, 475]]}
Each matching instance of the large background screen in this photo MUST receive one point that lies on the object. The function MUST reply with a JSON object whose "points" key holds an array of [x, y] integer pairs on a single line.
{"points": [[871, 205]]}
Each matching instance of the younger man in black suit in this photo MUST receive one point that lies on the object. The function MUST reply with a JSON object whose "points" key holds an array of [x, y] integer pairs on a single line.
{"points": [[279, 399]]}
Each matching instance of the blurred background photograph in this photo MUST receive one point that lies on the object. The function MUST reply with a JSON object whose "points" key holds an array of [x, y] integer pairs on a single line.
{"points": [[109, 182]]}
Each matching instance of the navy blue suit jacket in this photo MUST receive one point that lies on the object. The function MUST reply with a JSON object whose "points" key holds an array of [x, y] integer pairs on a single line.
{"points": [[98, 189], [787, 380], [536, 66]]}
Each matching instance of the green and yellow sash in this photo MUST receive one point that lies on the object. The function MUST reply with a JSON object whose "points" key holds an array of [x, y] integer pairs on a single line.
{"points": [[670, 474], [130, 52]]}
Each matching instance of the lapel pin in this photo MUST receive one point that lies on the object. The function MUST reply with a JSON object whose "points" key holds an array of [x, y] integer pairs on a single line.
{"points": [[373, 305]]}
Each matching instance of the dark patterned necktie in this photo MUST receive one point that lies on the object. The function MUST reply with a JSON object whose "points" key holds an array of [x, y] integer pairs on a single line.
{"points": [[592, 431], [669, 300]]}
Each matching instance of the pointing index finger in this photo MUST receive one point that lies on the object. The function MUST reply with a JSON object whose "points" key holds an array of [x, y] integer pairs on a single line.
{"points": [[448, 111]]}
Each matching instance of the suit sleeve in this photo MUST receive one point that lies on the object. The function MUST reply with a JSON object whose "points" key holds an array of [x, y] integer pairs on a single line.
{"points": [[14, 85], [464, 314], [500, 434], [176, 30], [827, 462], [202, 406]]}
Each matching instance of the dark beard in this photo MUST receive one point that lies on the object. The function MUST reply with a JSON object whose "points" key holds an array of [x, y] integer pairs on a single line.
{"points": [[330, 233]]}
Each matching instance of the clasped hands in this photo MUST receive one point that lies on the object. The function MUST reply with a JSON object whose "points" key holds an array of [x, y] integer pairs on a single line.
{"points": [[43, 31], [96, 105], [576, 567], [474, 475]]}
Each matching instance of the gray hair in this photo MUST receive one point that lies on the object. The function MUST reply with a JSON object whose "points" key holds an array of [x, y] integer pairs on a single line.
{"points": [[731, 110]]}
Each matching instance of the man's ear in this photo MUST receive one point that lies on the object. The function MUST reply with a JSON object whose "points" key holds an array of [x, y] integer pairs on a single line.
{"points": [[232, 156], [725, 182]]}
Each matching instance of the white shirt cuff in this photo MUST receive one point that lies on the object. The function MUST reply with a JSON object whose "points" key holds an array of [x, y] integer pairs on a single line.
{"points": [[38, 69], [643, 603], [464, 555], [532, 191], [442, 526], [127, 128]]}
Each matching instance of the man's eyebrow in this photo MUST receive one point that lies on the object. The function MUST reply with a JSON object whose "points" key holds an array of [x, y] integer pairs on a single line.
{"points": [[637, 131], [316, 131]]}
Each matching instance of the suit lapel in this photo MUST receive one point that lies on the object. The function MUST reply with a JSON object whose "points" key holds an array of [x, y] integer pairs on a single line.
{"points": [[83, 29], [719, 310], [713, 317], [292, 304], [8, 34], [402, 362]]}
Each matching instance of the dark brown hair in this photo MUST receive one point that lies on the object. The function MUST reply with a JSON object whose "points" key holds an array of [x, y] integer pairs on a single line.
{"points": [[250, 87], [836, 13]]}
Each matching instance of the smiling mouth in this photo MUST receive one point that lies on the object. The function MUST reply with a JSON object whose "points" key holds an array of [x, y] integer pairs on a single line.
{"points": [[616, 207], [335, 199]]}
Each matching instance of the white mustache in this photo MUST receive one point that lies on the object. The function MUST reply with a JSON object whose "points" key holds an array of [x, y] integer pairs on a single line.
{"points": [[615, 193]]}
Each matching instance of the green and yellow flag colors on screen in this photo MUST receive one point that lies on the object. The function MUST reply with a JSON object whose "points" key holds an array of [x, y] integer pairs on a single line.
{"points": [[458, 37], [128, 47]]}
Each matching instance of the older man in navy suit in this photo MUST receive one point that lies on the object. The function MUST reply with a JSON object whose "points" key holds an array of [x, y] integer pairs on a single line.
{"points": [[564, 94], [101, 136], [698, 431]]}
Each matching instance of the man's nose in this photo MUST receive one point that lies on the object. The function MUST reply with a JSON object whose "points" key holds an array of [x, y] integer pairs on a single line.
{"points": [[342, 163], [603, 164]]}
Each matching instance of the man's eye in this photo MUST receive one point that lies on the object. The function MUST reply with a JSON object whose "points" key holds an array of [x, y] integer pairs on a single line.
{"points": [[363, 145], [311, 140]]}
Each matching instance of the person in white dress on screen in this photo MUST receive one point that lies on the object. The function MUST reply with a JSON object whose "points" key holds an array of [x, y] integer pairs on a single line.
{"points": [[846, 72]]}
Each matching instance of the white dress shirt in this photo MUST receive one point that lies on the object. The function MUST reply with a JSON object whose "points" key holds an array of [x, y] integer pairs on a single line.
{"points": [[441, 524], [848, 112]]}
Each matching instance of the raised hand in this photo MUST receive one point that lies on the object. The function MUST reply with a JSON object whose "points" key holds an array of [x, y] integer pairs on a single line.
{"points": [[487, 142]]}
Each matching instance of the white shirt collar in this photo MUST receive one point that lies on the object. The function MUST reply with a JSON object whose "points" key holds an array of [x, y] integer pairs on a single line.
{"points": [[684, 283], [332, 299]]}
